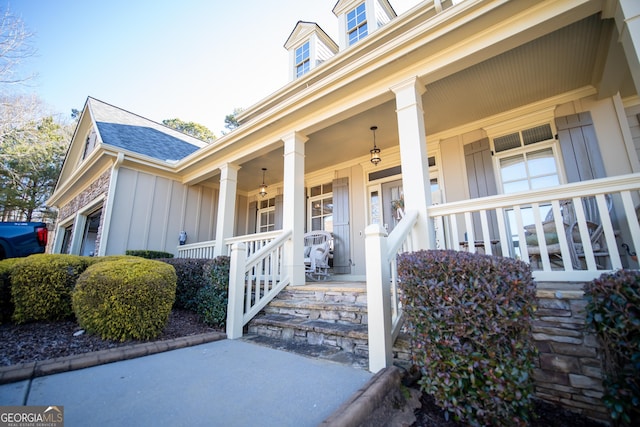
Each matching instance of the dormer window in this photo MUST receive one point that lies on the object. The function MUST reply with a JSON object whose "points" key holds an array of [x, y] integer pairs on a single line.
{"points": [[303, 62], [361, 18], [357, 24], [308, 47]]}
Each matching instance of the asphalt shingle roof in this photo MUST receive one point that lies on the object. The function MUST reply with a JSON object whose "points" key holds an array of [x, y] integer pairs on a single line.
{"points": [[131, 132]]}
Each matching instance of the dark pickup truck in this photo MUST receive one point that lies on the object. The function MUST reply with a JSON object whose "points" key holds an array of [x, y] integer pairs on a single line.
{"points": [[18, 239]]}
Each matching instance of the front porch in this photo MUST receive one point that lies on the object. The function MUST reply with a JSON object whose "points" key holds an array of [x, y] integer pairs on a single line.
{"points": [[497, 225]]}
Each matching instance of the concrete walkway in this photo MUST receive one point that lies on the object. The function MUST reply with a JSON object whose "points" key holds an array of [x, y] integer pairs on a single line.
{"points": [[221, 383]]}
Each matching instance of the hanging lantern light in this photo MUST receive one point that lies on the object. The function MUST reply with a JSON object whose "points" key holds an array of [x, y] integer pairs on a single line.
{"points": [[263, 186], [375, 151]]}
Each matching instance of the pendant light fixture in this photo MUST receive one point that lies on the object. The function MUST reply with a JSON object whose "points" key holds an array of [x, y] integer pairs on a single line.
{"points": [[263, 186], [375, 151]]}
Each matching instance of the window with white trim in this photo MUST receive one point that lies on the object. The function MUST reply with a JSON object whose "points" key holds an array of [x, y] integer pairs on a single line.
{"points": [[303, 62], [321, 207], [267, 215], [357, 27], [527, 159]]}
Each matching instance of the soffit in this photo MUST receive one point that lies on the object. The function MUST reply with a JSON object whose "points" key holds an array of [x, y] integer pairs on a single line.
{"points": [[563, 61]]}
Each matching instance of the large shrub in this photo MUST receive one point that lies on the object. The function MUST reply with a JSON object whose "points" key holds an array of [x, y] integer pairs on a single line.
{"points": [[41, 286], [203, 287], [148, 254], [469, 317], [212, 299], [125, 299], [613, 311], [193, 274], [6, 305]]}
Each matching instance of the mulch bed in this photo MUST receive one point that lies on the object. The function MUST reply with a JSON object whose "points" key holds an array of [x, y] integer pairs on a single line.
{"points": [[38, 341]]}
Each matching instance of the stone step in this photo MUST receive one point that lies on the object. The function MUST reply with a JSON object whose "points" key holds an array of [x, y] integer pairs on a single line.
{"points": [[337, 312], [352, 293], [351, 338]]}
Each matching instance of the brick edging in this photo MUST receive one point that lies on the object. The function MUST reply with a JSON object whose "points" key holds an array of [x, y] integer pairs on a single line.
{"points": [[25, 371]]}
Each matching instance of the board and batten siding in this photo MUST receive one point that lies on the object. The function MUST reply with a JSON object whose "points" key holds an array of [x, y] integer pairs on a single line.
{"points": [[150, 211]]}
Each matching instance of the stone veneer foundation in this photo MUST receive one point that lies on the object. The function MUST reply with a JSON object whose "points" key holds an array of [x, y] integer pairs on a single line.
{"points": [[568, 369]]}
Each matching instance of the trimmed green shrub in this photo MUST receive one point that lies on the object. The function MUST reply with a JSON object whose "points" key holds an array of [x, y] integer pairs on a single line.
{"points": [[613, 312], [212, 299], [469, 317], [193, 275], [6, 305], [41, 286], [212, 306], [143, 253], [125, 299]]}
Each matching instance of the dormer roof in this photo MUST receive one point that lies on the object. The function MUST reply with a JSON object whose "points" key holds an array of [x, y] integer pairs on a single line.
{"points": [[342, 6], [303, 31]]}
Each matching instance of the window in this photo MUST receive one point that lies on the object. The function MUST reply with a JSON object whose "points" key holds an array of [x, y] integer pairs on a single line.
{"points": [[90, 235], [302, 60], [356, 24], [267, 215], [527, 160], [65, 248], [321, 207], [90, 143]]}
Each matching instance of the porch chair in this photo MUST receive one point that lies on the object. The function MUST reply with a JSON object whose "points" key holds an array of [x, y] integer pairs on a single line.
{"points": [[550, 234], [317, 251], [596, 233], [576, 248]]}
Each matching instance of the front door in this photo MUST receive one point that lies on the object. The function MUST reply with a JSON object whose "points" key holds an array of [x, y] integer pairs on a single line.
{"points": [[386, 204]]}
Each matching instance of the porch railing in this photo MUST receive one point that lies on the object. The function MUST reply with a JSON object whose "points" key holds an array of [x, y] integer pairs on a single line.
{"points": [[254, 280], [197, 250], [582, 227], [383, 302], [253, 243]]}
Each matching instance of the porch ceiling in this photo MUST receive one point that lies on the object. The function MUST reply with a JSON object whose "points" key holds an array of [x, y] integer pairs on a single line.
{"points": [[570, 58]]}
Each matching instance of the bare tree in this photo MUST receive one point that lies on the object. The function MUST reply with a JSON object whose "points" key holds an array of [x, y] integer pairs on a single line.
{"points": [[15, 46]]}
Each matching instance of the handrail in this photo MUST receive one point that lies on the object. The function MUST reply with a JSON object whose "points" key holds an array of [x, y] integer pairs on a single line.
{"points": [[398, 235], [255, 280], [383, 302]]}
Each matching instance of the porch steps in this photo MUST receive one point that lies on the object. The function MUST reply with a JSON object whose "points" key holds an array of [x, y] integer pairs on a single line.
{"points": [[327, 321]]}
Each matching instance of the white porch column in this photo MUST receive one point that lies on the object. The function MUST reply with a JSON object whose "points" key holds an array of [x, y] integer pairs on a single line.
{"points": [[413, 157], [627, 17], [293, 205], [226, 206]]}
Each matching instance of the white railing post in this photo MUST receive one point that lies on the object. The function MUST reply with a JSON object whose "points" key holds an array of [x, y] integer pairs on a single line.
{"points": [[235, 306], [378, 298]]}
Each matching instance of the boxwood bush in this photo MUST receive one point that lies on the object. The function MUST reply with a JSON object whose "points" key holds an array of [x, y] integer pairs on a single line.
{"points": [[125, 299], [41, 286], [469, 317], [613, 312], [6, 305]]}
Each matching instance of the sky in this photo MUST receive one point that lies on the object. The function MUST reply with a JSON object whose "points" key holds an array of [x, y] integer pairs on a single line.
{"points": [[196, 60]]}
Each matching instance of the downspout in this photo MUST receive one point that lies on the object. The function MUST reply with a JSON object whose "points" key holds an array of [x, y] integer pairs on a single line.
{"points": [[108, 208]]}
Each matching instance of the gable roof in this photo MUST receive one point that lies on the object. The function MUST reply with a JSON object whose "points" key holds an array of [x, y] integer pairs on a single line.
{"points": [[123, 129], [303, 31]]}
